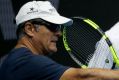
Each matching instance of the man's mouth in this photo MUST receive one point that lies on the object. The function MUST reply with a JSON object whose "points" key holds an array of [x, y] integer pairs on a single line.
{"points": [[54, 40]]}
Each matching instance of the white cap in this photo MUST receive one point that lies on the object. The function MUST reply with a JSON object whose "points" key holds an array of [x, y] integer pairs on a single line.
{"points": [[43, 10]]}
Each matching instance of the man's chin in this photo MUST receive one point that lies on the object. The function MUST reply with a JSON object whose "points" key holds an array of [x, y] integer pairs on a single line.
{"points": [[52, 51]]}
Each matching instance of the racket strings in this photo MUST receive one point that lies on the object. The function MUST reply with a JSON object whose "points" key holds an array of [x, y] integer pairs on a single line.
{"points": [[82, 39], [76, 53], [84, 44], [72, 42]]}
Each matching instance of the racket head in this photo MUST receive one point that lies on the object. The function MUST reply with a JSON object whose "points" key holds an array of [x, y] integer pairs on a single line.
{"points": [[80, 40]]}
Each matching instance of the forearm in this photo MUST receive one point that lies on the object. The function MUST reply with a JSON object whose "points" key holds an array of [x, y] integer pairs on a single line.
{"points": [[90, 74], [101, 74], [105, 74], [77, 74]]}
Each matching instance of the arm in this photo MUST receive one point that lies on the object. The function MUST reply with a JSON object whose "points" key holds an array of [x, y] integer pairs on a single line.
{"points": [[90, 74]]}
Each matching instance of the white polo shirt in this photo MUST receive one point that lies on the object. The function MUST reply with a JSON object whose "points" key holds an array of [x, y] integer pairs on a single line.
{"points": [[102, 57]]}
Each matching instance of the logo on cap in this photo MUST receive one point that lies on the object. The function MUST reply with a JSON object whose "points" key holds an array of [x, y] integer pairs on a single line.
{"points": [[32, 10]]}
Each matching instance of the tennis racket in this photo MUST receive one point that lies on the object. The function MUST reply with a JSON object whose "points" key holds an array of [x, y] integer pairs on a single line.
{"points": [[80, 40]]}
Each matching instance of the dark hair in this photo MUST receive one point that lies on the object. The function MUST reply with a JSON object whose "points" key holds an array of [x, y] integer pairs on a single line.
{"points": [[20, 32]]}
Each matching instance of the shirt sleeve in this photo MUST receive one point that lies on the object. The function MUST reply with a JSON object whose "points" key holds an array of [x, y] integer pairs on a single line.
{"points": [[102, 57], [42, 68]]}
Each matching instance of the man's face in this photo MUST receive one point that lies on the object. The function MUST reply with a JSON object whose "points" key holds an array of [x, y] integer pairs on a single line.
{"points": [[45, 39]]}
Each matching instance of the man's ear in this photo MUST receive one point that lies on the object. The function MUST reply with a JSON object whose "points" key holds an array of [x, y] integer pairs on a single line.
{"points": [[29, 29]]}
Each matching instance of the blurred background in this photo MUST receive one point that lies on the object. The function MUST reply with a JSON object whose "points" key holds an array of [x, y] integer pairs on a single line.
{"points": [[104, 12]]}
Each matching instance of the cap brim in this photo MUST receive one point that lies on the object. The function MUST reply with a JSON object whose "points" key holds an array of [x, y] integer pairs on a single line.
{"points": [[58, 20]]}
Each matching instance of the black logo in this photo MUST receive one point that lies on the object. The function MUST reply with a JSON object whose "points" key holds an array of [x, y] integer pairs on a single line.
{"points": [[32, 10]]}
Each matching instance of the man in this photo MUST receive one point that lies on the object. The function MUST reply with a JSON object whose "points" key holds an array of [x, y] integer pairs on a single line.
{"points": [[103, 58], [38, 31]]}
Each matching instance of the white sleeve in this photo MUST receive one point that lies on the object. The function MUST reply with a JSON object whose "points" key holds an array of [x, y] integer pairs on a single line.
{"points": [[102, 57]]}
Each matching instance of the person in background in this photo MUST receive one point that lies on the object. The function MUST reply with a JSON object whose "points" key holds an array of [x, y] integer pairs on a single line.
{"points": [[38, 31], [103, 57]]}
